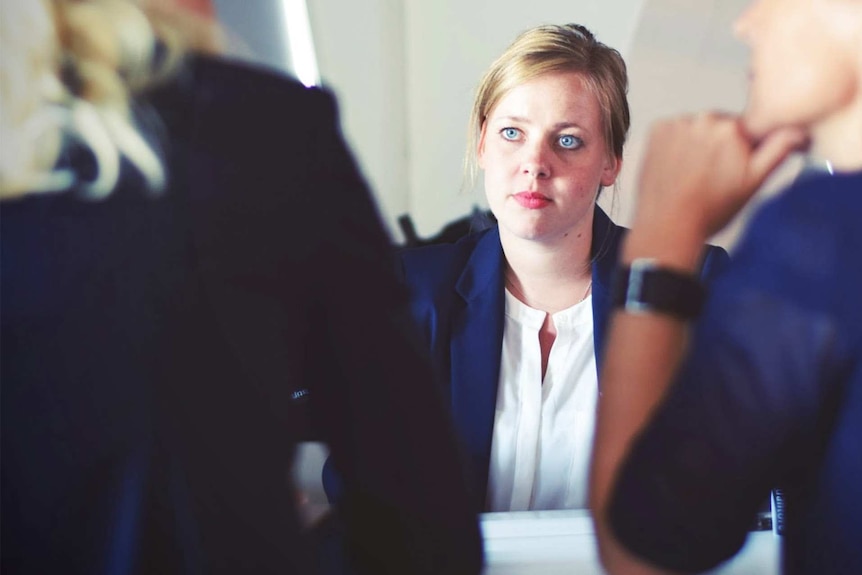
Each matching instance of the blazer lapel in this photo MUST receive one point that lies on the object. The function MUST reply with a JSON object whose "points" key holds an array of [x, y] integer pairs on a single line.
{"points": [[607, 237], [477, 338], [476, 346]]}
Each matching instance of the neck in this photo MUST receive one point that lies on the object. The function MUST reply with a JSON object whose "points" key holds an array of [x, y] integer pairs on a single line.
{"points": [[838, 138], [549, 276]]}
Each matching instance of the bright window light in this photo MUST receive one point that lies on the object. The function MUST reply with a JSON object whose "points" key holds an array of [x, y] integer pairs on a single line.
{"points": [[298, 31]]}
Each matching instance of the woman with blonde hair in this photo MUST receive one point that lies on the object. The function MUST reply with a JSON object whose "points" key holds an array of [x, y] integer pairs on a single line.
{"points": [[514, 316], [176, 234], [764, 387]]}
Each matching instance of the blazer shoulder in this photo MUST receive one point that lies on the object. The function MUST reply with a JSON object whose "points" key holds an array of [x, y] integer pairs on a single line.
{"points": [[607, 237], [428, 269]]}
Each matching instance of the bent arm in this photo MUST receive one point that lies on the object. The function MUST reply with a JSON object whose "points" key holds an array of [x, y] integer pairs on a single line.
{"points": [[642, 355], [698, 172]]}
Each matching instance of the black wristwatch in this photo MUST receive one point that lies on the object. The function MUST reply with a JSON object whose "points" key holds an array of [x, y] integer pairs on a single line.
{"points": [[644, 286]]}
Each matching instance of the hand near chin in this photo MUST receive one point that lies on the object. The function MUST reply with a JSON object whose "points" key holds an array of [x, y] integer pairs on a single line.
{"points": [[699, 171]]}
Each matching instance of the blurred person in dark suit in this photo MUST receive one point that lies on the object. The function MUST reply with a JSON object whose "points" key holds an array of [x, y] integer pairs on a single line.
{"points": [[186, 243]]}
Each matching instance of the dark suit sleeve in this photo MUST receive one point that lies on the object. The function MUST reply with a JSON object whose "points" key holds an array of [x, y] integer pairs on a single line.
{"points": [[297, 266], [405, 503]]}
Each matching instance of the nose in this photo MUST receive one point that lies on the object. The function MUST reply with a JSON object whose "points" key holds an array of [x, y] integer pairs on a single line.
{"points": [[536, 162]]}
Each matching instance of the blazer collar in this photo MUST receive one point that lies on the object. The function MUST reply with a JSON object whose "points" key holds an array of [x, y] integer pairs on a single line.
{"points": [[607, 238], [484, 269], [476, 347], [482, 278]]}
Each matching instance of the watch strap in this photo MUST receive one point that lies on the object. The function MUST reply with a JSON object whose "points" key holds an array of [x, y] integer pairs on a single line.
{"points": [[644, 286]]}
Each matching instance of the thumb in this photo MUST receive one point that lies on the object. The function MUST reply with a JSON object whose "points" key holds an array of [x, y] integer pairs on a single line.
{"points": [[770, 152]]}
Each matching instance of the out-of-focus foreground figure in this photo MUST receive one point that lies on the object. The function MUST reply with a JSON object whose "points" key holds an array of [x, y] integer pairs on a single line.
{"points": [[765, 387], [177, 232]]}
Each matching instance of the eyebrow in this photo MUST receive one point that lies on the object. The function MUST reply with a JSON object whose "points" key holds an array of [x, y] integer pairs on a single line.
{"points": [[557, 126]]}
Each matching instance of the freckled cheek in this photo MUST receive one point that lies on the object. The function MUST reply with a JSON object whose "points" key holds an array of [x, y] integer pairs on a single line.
{"points": [[499, 179], [497, 166], [588, 186], [496, 187], [580, 181]]}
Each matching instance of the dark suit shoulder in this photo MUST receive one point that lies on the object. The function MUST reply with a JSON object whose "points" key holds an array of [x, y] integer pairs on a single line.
{"points": [[237, 79], [215, 99]]}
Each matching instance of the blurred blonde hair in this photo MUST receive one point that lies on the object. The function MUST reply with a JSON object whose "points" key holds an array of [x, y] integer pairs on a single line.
{"points": [[548, 49], [72, 67]]}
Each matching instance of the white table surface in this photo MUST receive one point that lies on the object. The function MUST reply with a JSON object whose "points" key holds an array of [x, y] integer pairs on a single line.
{"points": [[535, 542], [557, 542]]}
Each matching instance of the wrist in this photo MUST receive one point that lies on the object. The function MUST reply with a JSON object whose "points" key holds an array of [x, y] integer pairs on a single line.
{"points": [[676, 244]]}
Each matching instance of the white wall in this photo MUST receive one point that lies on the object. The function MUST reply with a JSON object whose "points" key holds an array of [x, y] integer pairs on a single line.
{"points": [[360, 49], [255, 31]]}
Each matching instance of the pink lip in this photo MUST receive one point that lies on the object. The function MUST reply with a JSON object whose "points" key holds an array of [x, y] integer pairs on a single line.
{"points": [[532, 200]]}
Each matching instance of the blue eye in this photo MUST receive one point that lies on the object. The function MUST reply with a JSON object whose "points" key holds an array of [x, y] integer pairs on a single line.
{"points": [[511, 134], [570, 142]]}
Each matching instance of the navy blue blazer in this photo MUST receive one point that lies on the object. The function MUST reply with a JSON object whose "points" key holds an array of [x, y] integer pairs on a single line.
{"points": [[457, 299]]}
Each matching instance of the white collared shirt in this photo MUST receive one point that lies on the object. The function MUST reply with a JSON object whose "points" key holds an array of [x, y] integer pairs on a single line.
{"points": [[543, 431]]}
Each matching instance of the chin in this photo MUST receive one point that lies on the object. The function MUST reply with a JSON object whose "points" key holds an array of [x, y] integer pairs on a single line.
{"points": [[524, 233], [763, 113], [757, 125], [523, 230], [761, 118]]}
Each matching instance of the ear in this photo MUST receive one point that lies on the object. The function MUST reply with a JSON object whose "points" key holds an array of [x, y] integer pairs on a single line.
{"points": [[480, 147], [611, 170]]}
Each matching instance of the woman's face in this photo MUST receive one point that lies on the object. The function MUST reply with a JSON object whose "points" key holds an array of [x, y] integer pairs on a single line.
{"points": [[544, 156], [804, 62]]}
